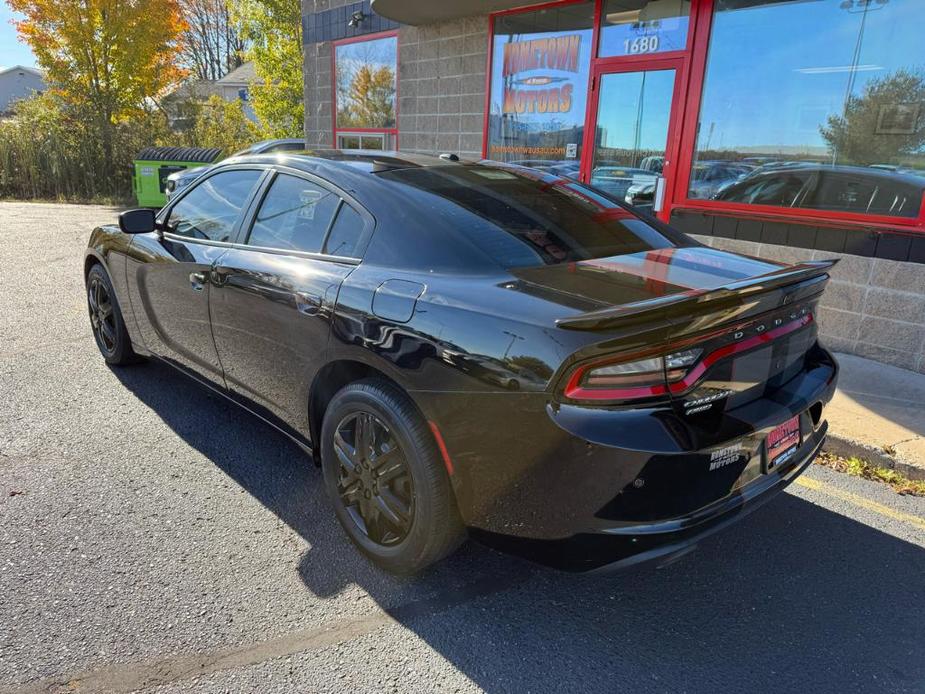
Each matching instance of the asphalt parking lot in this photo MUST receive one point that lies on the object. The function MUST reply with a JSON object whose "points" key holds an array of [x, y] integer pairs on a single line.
{"points": [[153, 537]]}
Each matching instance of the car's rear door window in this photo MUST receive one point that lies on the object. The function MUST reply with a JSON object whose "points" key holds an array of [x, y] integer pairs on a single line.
{"points": [[294, 216], [344, 239], [210, 210]]}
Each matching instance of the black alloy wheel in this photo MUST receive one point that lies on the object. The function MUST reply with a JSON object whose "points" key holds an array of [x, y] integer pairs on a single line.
{"points": [[387, 481], [102, 314], [375, 484], [106, 319]]}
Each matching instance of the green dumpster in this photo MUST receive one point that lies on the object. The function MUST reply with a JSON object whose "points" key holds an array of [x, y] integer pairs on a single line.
{"points": [[154, 164]]}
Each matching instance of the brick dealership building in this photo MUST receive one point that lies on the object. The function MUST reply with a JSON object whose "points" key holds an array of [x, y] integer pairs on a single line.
{"points": [[783, 129]]}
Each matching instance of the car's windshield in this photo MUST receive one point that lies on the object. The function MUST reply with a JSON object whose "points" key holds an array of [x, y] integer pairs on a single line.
{"points": [[534, 219]]}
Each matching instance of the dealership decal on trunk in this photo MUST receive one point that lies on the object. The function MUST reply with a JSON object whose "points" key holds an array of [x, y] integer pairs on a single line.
{"points": [[726, 456]]}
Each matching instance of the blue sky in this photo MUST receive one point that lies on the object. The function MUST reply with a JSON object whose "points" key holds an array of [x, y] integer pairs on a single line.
{"points": [[12, 51], [807, 54]]}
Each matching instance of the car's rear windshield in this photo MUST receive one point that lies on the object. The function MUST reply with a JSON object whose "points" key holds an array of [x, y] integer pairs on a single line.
{"points": [[527, 218]]}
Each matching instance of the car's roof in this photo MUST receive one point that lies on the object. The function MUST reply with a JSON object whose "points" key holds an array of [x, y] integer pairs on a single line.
{"points": [[332, 160], [370, 161]]}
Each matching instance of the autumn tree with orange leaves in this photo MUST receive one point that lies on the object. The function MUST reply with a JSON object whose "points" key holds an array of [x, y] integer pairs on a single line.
{"points": [[106, 58]]}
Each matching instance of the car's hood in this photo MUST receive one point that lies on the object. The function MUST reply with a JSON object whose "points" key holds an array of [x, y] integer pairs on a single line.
{"points": [[624, 279]]}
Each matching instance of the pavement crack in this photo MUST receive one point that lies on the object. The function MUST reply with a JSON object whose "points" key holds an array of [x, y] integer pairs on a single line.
{"points": [[130, 677], [900, 443]]}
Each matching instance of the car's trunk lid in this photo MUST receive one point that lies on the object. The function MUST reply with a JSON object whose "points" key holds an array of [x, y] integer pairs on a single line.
{"points": [[753, 320]]}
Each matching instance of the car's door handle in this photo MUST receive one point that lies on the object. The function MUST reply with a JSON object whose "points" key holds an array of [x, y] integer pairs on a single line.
{"points": [[198, 280]]}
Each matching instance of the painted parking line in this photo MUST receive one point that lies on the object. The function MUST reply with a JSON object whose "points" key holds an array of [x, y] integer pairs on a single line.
{"points": [[860, 501]]}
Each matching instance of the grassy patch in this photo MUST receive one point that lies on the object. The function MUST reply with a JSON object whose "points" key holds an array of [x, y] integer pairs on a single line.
{"points": [[861, 468]]}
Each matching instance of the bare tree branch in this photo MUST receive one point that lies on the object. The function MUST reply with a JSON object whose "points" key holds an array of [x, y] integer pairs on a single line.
{"points": [[212, 45]]}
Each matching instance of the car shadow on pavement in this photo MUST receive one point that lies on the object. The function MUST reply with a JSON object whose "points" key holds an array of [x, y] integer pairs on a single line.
{"points": [[794, 597]]}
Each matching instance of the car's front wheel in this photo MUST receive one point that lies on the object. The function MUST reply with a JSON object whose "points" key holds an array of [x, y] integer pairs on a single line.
{"points": [[385, 478], [106, 319]]}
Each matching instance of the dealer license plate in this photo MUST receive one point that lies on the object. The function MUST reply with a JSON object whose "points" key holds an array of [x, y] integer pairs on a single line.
{"points": [[782, 443]]}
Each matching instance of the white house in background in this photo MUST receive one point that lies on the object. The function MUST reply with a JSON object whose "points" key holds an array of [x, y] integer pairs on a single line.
{"points": [[18, 82], [232, 87], [236, 85]]}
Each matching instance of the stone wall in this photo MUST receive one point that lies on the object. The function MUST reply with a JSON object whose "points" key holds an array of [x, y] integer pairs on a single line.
{"points": [[873, 307], [441, 85], [316, 75]]}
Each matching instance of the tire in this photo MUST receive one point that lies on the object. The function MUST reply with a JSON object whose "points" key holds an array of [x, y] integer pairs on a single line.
{"points": [[106, 320], [434, 528]]}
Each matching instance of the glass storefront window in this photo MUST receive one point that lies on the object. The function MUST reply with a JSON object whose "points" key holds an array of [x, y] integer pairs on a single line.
{"points": [[642, 27], [365, 83], [361, 141], [814, 104], [539, 86], [632, 134]]}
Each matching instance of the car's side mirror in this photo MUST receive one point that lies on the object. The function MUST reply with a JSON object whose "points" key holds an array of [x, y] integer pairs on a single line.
{"points": [[140, 221]]}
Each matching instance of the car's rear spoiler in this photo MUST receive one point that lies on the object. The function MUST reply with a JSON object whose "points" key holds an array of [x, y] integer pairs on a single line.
{"points": [[681, 302]]}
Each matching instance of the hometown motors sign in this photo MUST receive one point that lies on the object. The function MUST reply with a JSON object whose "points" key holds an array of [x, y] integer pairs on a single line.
{"points": [[540, 93]]}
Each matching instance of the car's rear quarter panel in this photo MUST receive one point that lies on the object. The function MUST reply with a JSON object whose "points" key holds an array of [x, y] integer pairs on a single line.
{"points": [[482, 357]]}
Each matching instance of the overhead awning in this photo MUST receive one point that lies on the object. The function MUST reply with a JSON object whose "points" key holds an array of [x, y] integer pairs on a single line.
{"points": [[417, 12]]}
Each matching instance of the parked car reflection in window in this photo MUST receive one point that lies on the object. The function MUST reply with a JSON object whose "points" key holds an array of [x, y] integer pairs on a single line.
{"points": [[844, 95], [865, 190]]}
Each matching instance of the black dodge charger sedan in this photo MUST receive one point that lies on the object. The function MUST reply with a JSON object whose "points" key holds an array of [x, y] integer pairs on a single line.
{"points": [[477, 348]]}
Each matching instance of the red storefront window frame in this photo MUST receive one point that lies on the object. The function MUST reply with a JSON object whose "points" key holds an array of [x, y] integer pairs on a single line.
{"points": [[693, 72], [349, 131]]}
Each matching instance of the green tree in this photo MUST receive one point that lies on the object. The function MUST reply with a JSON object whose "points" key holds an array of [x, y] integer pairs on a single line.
{"points": [[222, 124], [105, 58], [885, 122], [369, 101], [273, 30]]}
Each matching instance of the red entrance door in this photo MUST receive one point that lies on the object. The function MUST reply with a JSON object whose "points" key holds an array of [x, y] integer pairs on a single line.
{"points": [[630, 147]]}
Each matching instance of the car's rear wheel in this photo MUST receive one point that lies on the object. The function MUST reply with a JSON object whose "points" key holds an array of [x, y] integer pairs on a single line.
{"points": [[106, 319], [385, 478]]}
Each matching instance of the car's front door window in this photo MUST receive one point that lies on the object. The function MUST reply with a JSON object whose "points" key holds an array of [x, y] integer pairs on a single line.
{"points": [[211, 209]]}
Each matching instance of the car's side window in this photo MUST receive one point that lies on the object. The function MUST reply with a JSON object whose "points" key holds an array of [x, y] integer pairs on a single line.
{"points": [[211, 209], [294, 216], [346, 233]]}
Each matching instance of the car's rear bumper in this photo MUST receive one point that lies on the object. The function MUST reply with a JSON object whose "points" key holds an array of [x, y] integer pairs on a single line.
{"points": [[623, 545], [580, 488]]}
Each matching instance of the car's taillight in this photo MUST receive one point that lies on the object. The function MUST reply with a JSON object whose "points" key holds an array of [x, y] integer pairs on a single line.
{"points": [[612, 379], [618, 378]]}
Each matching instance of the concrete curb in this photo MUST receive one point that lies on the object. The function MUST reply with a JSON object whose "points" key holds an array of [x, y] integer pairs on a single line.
{"points": [[848, 448]]}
